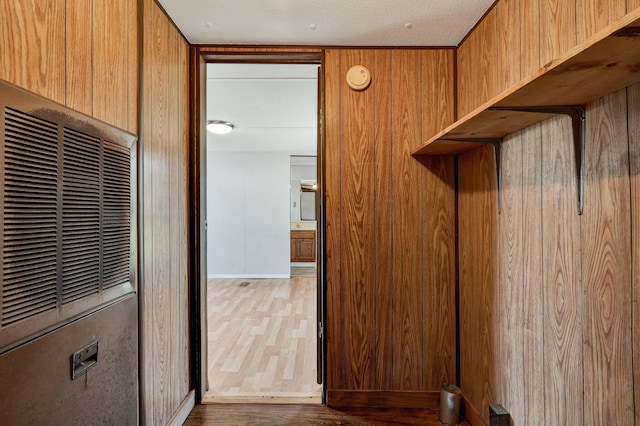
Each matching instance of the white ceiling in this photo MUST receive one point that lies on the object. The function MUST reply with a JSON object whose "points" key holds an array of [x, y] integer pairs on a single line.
{"points": [[326, 22], [272, 106]]}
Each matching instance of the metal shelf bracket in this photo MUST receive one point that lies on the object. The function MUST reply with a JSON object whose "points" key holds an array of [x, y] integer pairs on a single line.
{"points": [[578, 122], [497, 154]]}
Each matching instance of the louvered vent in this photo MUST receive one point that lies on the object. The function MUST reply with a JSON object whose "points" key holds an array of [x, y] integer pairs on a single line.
{"points": [[117, 214], [68, 218], [80, 216], [29, 264]]}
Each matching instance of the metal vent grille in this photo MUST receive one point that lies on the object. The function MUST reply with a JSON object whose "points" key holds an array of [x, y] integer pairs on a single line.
{"points": [[67, 215], [117, 214], [30, 210], [80, 216]]}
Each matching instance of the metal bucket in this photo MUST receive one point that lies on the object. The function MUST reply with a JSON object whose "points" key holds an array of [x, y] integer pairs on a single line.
{"points": [[449, 404]]}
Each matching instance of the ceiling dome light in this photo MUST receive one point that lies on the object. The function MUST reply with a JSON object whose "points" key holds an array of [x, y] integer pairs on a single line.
{"points": [[219, 127]]}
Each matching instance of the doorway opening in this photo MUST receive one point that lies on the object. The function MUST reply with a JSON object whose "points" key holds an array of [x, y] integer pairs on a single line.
{"points": [[263, 305]]}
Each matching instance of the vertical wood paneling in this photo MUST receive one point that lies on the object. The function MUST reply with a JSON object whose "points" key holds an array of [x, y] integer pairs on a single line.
{"points": [[562, 281], [384, 288], [79, 66], [439, 279], [557, 28], [477, 227], [390, 323], [593, 15], [530, 37], [633, 96], [632, 5], [607, 266], [165, 323], [133, 67], [358, 244], [477, 70], [110, 61], [333, 148], [508, 27], [509, 310], [32, 42], [533, 309], [407, 253], [438, 97]]}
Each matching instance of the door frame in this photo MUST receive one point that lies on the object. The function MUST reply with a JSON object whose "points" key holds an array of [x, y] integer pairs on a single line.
{"points": [[199, 56]]}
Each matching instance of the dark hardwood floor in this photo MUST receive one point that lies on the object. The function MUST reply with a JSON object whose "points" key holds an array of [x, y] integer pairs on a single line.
{"points": [[254, 414]]}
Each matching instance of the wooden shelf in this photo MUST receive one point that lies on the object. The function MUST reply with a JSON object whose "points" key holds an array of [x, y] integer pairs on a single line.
{"points": [[606, 62]]}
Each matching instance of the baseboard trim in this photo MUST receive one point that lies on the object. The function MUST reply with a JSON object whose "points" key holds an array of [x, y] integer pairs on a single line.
{"points": [[249, 276], [471, 413], [382, 399], [181, 414]]}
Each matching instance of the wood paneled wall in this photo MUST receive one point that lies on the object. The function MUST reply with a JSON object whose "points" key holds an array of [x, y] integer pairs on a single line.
{"points": [[518, 37], [390, 228], [548, 307], [80, 53], [165, 315]]}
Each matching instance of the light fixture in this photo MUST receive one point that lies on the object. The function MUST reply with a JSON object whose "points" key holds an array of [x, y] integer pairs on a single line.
{"points": [[219, 127]]}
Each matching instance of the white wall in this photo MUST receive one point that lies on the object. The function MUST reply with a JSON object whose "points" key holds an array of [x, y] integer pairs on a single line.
{"points": [[248, 214]]}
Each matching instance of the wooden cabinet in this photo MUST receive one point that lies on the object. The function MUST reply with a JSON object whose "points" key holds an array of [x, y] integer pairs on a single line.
{"points": [[303, 246]]}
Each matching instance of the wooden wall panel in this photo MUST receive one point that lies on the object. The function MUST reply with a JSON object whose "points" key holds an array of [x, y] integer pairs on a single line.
{"points": [[383, 226], [633, 95], [594, 15], [532, 284], [565, 303], [32, 42], [407, 270], [358, 246], [477, 69], [557, 28], [438, 97], [79, 60], [477, 251], [333, 150], [110, 64], [391, 325], [509, 294], [606, 248], [632, 5], [164, 358], [509, 32], [562, 301], [530, 37]]}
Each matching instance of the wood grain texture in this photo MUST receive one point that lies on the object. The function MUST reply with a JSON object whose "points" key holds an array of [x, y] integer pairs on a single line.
{"points": [[295, 415], [438, 78], [510, 290], [165, 322], [509, 34], [358, 304], [333, 142], [110, 61], [557, 28], [384, 288], [632, 5], [408, 362], [594, 15], [633, 101], [79, 59], [388, 318], [477, 60], [133, 67], [477, 254], [439, 265], [530, 37], [32, 42], [563, 303], [532, 376], [606, 263], [379, 399]]}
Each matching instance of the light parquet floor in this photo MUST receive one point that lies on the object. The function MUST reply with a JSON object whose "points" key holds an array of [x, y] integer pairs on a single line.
{"points": [[262, 340]]}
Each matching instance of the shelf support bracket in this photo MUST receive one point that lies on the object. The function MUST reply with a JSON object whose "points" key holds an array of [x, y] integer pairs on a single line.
{"points": [[578, 122], [497, 155]]}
